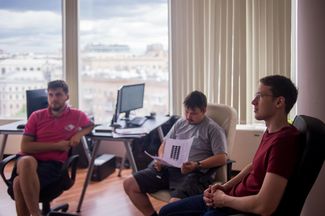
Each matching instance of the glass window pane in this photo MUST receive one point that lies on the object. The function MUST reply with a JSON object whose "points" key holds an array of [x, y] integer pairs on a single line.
{"points": [[123, 42], [30, 50]]}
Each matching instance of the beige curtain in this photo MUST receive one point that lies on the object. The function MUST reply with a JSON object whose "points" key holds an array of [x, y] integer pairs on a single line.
{"points": [[223, 47]]}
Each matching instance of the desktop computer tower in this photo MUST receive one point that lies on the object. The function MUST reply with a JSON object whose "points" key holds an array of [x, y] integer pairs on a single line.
{"points": [[104, 166]]}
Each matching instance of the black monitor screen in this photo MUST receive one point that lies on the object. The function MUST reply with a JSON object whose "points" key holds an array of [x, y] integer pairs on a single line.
{"points": [[36, 99], [130, 97]]}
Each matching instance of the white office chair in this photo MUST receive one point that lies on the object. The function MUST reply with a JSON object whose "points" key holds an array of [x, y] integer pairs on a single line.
{"points": [[226, 117]]}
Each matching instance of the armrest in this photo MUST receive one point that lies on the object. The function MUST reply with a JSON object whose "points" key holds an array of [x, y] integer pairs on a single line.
{"points": [[70, 166], [3, 165], [229, 168]]}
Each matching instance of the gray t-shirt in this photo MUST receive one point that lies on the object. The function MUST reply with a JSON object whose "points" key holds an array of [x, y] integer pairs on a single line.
{"points": [[209, 137]]}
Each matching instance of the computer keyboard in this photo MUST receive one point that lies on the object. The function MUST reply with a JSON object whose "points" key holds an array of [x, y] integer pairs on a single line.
{"points": [[138, 121]]}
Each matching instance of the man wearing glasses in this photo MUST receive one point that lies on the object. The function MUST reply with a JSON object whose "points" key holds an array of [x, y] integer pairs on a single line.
{"points": [[259, 187]]}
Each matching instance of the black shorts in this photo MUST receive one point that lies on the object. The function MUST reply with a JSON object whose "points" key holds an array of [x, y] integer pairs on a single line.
{"points": [[47, 171], [150, 180]]}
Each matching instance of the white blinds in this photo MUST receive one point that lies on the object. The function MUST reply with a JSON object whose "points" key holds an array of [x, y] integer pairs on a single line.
{"points": [[223, 47], [268, 42]]}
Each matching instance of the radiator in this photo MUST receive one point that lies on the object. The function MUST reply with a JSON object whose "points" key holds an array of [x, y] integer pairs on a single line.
{"points": [[247, 140]]}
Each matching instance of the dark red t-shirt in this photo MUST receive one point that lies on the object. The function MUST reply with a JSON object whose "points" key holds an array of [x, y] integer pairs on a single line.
{"points": [[277, 153]]}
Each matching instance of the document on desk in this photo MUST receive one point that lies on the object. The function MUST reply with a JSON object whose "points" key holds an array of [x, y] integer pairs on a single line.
{"points": [[176, 152], [130, 132]]}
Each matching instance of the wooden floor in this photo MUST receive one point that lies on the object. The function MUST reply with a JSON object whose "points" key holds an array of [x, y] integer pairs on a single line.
{"points": [[106, 197]]}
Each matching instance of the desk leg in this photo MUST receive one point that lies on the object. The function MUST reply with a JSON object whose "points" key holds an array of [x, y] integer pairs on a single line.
{"points": [[122, 165], [3, 146], [128, 147], [89, 173]]}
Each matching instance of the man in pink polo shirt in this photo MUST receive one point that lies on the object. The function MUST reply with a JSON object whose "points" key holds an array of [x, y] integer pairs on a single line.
{"points": [[47, 138]]}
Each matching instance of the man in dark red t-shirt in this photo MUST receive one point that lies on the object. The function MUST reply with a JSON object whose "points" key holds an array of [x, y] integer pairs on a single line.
{"points": [[259, 187]]}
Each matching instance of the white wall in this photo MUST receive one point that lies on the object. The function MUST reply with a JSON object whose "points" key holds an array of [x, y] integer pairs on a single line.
{"points": [[13, 144], [110, 147], [311, 77], [13, 141], [247, 140]]}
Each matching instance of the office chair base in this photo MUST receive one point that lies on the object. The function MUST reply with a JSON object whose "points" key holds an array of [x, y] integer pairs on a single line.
{"points": [[61, 208]]}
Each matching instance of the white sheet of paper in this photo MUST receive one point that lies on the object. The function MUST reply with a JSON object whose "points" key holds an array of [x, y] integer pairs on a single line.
{"points": [[176, 152], [118, 135], [130, 131], [162, 161]]}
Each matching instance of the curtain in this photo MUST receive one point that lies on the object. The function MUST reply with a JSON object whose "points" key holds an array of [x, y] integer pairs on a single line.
{"points": [[223, 47]]}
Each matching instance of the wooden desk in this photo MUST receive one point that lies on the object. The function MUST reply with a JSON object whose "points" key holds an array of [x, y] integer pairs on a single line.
{"points": [[149, 125]]}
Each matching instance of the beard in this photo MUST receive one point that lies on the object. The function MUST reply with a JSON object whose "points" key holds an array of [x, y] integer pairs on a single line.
{"points": [[57, 107]]}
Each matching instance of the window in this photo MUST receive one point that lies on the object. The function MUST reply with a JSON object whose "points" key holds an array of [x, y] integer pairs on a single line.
{"points": [[219, 47], [123, 42], [30, 37]]}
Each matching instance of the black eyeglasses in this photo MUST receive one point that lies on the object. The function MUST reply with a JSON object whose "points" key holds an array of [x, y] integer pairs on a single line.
{"points": [[260, 95]]}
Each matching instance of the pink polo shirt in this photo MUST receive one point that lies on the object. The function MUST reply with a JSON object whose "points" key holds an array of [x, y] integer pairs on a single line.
{"points": [[45, 127]]}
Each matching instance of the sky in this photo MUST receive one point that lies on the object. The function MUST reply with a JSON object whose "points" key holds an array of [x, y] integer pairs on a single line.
{"points": [[36, 25]]}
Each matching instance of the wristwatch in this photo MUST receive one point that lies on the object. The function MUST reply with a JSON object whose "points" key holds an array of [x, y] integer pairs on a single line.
{"points": [[198, 165]]}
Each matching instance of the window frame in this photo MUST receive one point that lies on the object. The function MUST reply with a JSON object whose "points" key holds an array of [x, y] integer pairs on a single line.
{"points": [[70, 23]]}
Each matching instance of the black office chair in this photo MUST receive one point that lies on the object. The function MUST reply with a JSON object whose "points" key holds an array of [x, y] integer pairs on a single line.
{"points": [[311, 161], [52, 191]]}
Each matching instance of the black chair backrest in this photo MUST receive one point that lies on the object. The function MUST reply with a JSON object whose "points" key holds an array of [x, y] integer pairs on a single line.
{"points": [[312, 142]]}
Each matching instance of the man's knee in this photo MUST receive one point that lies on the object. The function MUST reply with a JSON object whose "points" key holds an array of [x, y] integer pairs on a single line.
{"points": [[16, 186], [174, 199], [27, 163], [15, 183], [130, 185]]}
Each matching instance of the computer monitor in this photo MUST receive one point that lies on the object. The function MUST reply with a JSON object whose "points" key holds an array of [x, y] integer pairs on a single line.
{"points": [[36, 99], [130, 97]]}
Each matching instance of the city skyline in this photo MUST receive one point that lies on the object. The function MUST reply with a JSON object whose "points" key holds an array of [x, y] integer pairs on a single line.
{"points": [[101, 75]]}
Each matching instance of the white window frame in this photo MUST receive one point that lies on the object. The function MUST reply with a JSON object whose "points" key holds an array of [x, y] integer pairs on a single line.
{"points": [[70, 23]]}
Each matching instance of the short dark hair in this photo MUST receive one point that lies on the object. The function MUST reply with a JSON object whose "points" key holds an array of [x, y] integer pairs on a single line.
{"points": [[55, 84], [282, 86], [195, 99]]}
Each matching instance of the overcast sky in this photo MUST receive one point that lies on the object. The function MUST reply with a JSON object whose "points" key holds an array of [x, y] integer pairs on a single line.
{"points": [[36, 25]]}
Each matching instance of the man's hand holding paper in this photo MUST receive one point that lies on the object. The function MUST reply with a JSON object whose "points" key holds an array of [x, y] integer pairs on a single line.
{"points": [[188, 167], [176, 153], [157, 165]]}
